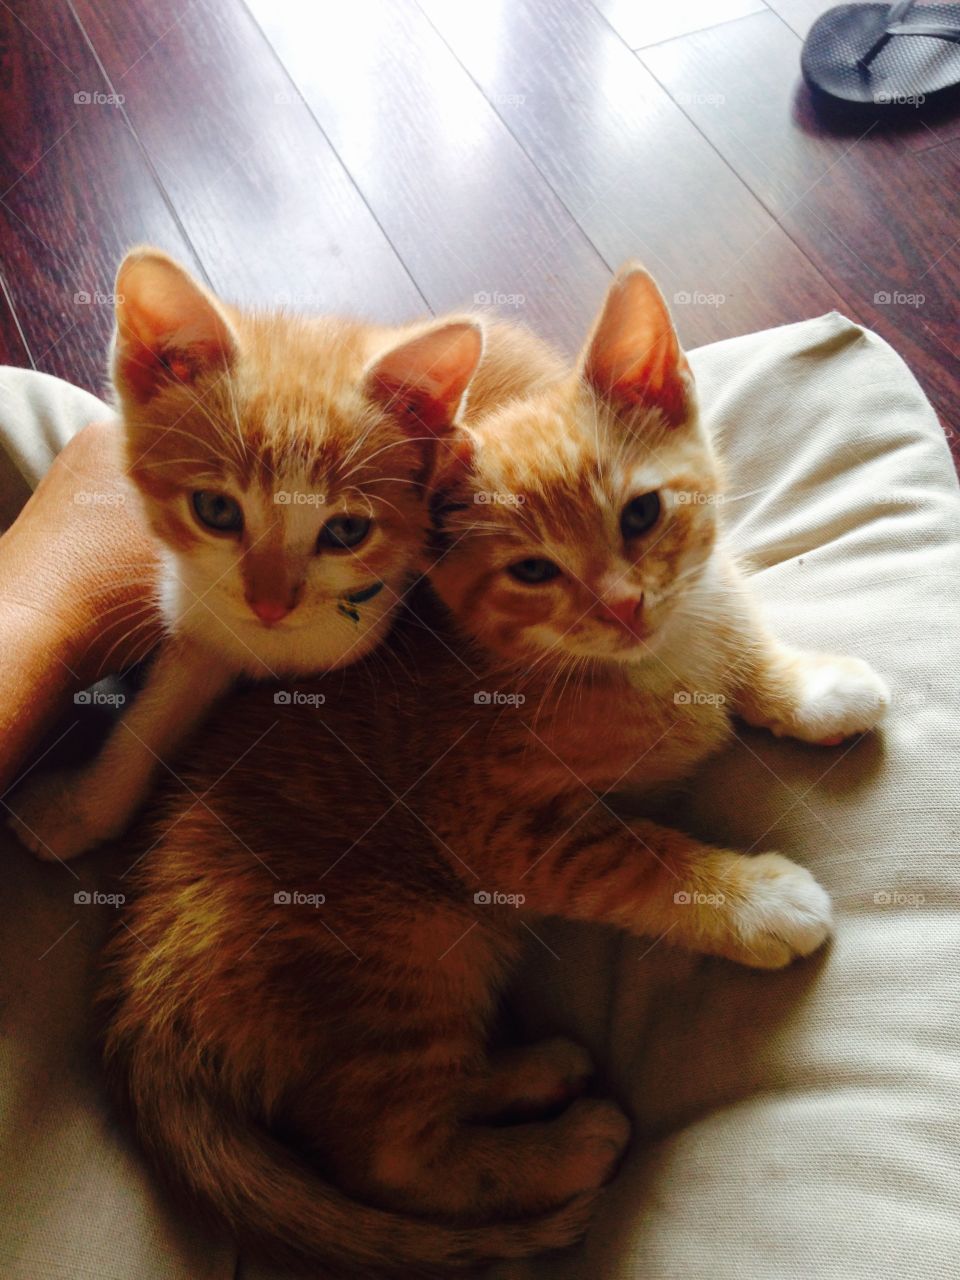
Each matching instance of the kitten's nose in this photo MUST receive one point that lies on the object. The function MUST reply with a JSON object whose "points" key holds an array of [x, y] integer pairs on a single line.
{"points": [[625, 613], [270, 611]]}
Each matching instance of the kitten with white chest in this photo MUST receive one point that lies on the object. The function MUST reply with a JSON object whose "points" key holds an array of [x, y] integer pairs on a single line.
{"points": [[282, 462], [315, 1066]]}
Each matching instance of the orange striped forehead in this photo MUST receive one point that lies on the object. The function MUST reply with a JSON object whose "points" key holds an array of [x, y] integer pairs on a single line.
{"points": [[560, 469], [290, 412]]}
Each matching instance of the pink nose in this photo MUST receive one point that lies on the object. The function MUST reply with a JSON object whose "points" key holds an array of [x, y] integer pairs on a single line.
{"points": [[269, 611], [625, 613]]}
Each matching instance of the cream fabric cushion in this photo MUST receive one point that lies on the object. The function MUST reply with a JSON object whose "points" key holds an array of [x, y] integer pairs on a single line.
{"points": [[795, 1125]]}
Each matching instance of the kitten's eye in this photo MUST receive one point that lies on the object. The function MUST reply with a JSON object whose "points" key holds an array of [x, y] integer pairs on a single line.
{"points": [[533, 571], [343, 532], [218, 511], [640, 515]]}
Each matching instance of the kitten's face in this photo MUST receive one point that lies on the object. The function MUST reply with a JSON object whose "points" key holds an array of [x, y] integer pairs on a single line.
{"points": [[283, 472], [289, 511], [587, 523]]}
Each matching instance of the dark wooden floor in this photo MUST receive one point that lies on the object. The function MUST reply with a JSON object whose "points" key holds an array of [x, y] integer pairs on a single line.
{"points": [[391, 156]]}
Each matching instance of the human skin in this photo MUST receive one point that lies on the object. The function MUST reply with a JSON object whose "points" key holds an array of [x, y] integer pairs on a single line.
{"points": [[76, 573]]}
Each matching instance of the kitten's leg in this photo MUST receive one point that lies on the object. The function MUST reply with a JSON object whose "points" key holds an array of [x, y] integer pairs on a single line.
{"points": [[530, 1079], [477, 1171], [61, 815], [816, 697], [796, 693], [762, 911]]}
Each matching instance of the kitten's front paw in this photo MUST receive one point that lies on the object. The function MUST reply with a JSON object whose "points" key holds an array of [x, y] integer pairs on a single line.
{"points": [[781, 913], [49, 816], [838, 698]]}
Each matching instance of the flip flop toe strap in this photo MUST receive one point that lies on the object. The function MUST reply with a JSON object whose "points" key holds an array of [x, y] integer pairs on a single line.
{"points": [[896, 26]]}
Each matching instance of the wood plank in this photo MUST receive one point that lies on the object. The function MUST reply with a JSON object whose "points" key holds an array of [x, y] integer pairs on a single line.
{"points": [[467, 211], [876, 218], [272, 213], [75, 191], [640, 24], [13, 349], [634, 172]]}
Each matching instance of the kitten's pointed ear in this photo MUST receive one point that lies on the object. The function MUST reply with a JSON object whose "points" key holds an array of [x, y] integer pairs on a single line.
{"points": [[634, 357], [424, 381], [170, 328]]}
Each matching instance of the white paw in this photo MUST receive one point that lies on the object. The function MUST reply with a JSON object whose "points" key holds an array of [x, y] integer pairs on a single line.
{"points": [[783, 913], [839, 697], [52, 817]]}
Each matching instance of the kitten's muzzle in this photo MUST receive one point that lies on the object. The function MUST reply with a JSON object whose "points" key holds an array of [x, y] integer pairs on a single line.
{"points": [[625, 614]]}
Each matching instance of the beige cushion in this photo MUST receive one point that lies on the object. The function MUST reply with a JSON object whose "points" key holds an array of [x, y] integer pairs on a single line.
{"points": [[795, 1125], [804, 1124]]}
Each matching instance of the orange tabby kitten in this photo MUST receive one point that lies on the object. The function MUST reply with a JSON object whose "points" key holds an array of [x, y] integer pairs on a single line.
{"points": [[282, 461], [303, 996]]}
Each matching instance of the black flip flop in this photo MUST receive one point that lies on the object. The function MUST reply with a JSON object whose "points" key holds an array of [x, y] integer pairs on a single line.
{"points": [[884, 54]]}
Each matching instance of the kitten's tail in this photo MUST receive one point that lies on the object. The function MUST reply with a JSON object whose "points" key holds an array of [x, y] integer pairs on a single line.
{"points": [[275, 1202]]}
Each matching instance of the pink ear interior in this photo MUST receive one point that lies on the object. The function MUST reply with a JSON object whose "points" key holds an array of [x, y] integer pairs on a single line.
{"points": [[169, 328], [423, 381], [634, 356]]}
